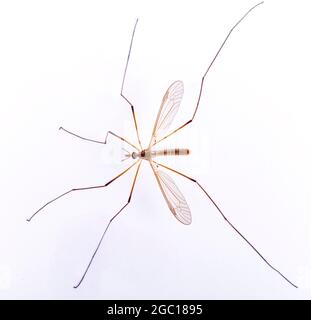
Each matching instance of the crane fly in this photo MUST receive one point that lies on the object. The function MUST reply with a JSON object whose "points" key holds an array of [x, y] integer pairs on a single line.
{"points": [[174, 198]]}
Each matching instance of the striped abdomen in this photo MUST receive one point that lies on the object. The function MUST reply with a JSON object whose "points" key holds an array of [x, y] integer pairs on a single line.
{"points": [[170, 152]]}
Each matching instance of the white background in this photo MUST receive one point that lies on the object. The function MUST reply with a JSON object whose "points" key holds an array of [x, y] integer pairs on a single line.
{"points": [[61, 63]]}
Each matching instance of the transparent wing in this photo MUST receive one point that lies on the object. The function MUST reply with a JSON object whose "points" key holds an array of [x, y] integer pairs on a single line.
{"points": [[168, 109], [173, 196]]}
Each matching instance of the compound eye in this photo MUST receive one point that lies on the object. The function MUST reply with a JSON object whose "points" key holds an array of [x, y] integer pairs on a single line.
{"points": [[134, 155]]}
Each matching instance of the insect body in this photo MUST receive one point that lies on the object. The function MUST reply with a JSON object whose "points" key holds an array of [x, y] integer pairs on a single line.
{"points": [[149, 154], [174, 198]]}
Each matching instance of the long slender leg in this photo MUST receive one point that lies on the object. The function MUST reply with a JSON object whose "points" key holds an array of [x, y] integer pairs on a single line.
{"points": [[123, 80], [97, 141], [231, 225], [80, 189], [203, 78], [103, 235]]}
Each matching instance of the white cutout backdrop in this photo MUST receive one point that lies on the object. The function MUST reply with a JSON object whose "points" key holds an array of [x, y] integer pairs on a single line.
{"points": [[61, 63]]}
